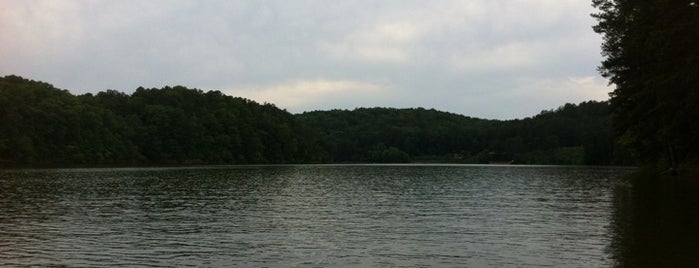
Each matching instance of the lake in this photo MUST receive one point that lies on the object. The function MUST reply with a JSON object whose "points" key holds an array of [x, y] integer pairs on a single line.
{"points": [[345, 215]]}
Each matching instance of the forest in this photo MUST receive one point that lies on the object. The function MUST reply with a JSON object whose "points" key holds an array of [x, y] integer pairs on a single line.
{"points": [[650, 55], [649, 50], [46, 126], [571, 134], [171, 125]]}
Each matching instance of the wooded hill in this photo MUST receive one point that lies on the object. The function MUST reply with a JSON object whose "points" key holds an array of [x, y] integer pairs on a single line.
{"points": [[571, 134], [43, 125], [172, 125]]}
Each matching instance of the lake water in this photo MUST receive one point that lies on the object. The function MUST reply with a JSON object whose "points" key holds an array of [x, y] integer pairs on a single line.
{"points": [[354, 215]]}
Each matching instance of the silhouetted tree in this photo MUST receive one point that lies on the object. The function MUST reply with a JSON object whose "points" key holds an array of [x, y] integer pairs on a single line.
{"points": [[650, 50]]}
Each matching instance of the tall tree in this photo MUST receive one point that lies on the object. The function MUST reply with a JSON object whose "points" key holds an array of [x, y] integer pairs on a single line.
{"points": [[650, 49]]}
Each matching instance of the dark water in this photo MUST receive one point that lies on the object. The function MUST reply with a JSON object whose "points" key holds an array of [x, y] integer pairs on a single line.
{"points": [[365, 216]]}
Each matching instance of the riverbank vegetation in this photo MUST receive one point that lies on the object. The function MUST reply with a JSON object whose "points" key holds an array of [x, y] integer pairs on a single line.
{"points": [[171, 125], [43, 125], [650, 50], [571, 134]]}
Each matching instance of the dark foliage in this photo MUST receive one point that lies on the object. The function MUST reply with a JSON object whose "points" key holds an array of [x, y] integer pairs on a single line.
{"points": [[572, 134], [172, 125], [42, 125], [650, 50]]}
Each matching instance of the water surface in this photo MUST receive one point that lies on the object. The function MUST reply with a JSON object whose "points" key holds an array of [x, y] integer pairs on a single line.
{"points": [[318, 216]]}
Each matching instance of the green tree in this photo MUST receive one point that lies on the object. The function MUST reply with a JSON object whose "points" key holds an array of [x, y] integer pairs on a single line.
{"points": [[650, 50], [41, 124], [177, 125]]}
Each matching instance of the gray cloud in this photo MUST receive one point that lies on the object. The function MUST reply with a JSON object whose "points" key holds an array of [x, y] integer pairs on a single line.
{"points": [[493, 59]]}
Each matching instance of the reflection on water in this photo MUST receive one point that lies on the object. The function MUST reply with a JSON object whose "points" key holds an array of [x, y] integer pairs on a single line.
{"points": [[450, 216], [656, 223]]}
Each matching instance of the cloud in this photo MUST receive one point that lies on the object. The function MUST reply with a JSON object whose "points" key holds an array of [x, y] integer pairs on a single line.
{"points": [[463, 56], [299, 95], [564, 89], [529, 97], [382, 42], [34, 31], [535, 95], [506, 56]]}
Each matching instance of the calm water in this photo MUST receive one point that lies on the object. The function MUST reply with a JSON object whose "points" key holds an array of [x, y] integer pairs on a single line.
{"points": [[320, 216]]}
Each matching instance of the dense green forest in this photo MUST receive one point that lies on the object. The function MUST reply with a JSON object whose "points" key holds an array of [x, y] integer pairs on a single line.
{"points": [[43, 125], [650, 50], [571, 134], [650, 57], [172, 125]]}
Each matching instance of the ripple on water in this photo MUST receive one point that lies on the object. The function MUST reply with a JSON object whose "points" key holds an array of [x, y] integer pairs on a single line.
{"points": [[308, 216]]}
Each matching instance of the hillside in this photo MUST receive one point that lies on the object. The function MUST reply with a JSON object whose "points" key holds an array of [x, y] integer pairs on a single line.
{"points": [[43, 125], [571, 134], [172, 125]]}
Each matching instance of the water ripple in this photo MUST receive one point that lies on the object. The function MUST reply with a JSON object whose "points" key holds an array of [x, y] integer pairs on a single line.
{"points": [[318, 216]]}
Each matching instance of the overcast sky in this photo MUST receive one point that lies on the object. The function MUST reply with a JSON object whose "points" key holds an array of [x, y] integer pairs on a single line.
{"points": [[485, 58]]}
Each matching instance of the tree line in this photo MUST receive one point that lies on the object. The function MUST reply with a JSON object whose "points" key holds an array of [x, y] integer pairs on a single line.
{"points": [[650, 50], [571, 134], [171, 125], [650, 57], [43, 125]]}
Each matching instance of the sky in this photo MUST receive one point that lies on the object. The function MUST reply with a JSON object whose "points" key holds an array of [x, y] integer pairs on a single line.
{"points": [[496, 59]]}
